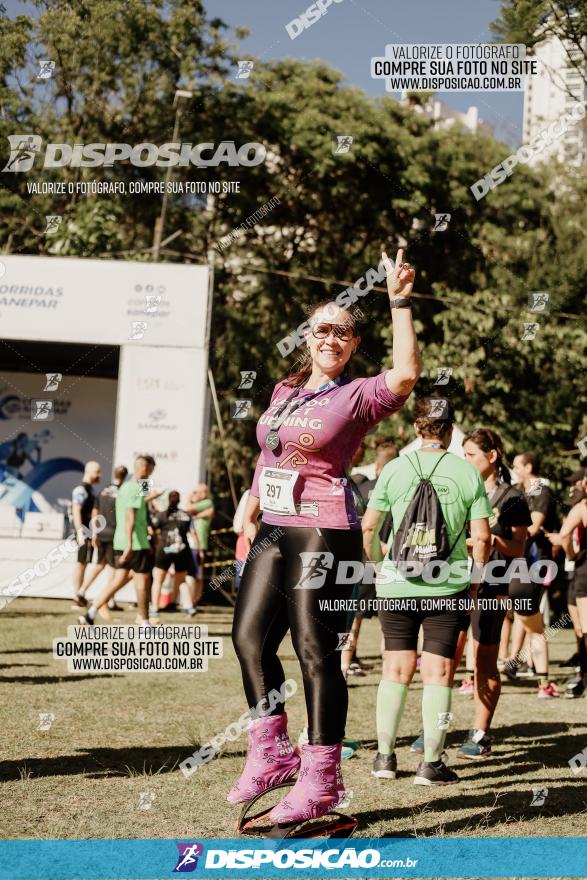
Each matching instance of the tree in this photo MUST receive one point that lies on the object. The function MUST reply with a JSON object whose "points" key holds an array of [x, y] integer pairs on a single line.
{"points": [[330, 215], [105, 89], [532, 21]]}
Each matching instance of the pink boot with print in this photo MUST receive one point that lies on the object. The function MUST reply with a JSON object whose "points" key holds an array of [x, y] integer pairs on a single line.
{"points": [[319, 787], [270, 760]]}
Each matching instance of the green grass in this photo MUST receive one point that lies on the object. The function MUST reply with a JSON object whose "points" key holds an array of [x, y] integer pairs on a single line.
{"points": [[117, 736]]}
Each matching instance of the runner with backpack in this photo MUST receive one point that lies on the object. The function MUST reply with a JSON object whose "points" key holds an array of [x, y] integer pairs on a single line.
{"points": [[432, 494]]}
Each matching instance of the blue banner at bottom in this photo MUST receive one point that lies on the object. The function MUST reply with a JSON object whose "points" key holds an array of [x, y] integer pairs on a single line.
{"points": [[258, 857]]}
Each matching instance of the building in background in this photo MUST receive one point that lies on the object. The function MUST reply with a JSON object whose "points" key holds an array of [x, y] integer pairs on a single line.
{"points": [[559, 85], [444, 117]]}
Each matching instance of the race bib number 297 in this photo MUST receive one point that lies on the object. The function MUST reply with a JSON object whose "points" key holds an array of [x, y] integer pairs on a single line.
{"points": [[276, 490]]}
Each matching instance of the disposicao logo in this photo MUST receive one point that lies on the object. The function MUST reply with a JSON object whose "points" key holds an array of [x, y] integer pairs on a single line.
{"points": [[24, 149], [187, 861]]}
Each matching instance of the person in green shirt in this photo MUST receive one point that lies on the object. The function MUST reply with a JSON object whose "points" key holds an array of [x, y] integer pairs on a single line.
{"points": [[201, 508], [437, 600], [132, 549]]}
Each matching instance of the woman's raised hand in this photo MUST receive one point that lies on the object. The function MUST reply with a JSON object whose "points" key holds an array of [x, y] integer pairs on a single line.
{"points": [[400, 278]]}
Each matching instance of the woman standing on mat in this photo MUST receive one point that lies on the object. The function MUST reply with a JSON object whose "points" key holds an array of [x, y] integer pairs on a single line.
{"points": [[316, 420]]}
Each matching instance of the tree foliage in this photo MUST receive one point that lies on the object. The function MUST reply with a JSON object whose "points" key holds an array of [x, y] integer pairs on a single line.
{"points": [[335, 213], [532, 21]]}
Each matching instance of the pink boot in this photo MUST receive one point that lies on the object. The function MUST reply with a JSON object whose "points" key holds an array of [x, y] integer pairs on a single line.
{"points": [[270, 760], [319, 787]]}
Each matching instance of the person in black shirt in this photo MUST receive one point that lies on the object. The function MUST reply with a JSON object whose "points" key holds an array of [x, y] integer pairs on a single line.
{"points": [[542, 506], [575, 481], [573, 539], [82, 504], [105, 505], [529, 623], [172, 527], [543, 510], [509, 526]]}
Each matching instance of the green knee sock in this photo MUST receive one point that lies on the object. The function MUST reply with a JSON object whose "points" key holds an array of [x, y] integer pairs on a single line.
{"points": [[391, 699], [435, 715]]}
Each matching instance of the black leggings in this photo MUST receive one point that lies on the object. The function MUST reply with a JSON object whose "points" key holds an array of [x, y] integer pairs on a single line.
{"points": [[279, 593]]}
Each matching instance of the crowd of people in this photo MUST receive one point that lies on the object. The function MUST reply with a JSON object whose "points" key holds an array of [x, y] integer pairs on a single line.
{"points": [[463, 558], [135, 536], [516, 516], [466, 552]]}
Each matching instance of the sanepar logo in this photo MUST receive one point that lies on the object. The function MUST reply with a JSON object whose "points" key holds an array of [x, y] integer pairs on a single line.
{"points": [[24, 149]]}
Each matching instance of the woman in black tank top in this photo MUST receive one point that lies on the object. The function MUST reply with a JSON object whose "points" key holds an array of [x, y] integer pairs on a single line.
{"points": [[576, 524]]}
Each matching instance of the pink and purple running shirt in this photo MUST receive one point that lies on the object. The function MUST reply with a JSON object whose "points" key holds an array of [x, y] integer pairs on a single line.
{"points": [[318, 441]]}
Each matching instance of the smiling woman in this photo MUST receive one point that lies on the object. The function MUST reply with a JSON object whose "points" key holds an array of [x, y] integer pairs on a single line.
{"points": [[315, 422], [330, 329]]}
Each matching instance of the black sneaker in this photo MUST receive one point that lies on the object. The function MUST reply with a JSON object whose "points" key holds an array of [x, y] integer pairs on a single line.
{"points": [[436, 773], [86, 620], [526, 671], [571, 663], [575, 687], [385, 766], [113, 606], [356, 669], [80, 601]]}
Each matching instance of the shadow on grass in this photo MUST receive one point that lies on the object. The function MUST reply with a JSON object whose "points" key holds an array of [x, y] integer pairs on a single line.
{"points": [[551, 745], [28, 651], [24, 614], [535, 743], [47, 679], [13, 665], [491, 810], [99, 763], [549, 783]]}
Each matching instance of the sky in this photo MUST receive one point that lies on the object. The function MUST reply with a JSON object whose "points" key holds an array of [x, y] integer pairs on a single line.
{"points": [[353, 31]]}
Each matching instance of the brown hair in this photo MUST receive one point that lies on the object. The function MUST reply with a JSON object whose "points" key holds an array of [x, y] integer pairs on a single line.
{"points": [[386, 447], [303, 364], [427, 425], [175, 495], [532, 459], [486, 439]]}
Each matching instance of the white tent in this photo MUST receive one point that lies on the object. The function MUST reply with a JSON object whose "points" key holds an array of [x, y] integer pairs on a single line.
{"points": [[150, 323]]}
